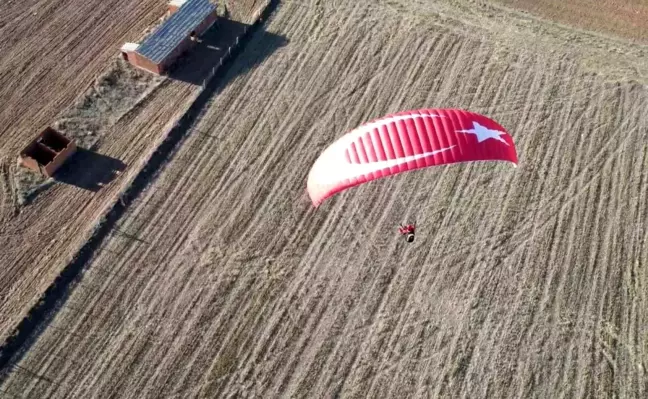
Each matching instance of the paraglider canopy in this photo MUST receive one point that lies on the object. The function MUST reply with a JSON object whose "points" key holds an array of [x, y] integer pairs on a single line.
{"points": [[406, 141]]}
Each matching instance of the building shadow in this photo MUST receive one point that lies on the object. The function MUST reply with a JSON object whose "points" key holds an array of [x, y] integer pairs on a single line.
{"points": [[89, 170], [197, 63]]}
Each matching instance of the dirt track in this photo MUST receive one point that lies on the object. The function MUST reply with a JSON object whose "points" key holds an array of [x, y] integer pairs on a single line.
{"points": [[222, 280]]}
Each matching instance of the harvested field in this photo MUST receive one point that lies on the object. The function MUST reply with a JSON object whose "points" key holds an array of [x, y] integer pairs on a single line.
{"points": [[39, 240], [221, 280], [623, 18], [52, 50]]}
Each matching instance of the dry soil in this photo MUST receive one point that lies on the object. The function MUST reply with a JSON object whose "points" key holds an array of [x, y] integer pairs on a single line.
{"points": [[72, 44], [221, 280]]}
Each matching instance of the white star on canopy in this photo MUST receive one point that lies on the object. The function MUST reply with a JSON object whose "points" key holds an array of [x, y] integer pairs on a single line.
{"points": [[484, 133]]}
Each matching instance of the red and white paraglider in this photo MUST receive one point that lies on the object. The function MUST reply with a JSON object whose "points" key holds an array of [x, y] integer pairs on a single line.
{"points": [[406, 141]]}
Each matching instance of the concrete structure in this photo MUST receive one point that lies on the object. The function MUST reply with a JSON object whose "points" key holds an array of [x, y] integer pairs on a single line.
{"points": [[47, 152], [157, 53]]}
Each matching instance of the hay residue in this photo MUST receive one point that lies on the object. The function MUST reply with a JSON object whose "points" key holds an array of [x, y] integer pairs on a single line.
{"points": [[89, 119]]}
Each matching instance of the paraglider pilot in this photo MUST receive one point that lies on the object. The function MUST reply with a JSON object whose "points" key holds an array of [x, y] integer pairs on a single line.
{"points": [[407, 231]]}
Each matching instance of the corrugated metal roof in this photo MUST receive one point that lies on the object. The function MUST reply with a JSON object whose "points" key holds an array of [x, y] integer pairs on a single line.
{"points": [[168, 35]]}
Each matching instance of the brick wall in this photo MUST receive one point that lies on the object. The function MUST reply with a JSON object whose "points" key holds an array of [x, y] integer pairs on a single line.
{"points": [[144, 63]]}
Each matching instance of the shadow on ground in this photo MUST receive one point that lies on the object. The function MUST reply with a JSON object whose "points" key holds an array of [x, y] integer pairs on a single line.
{"points": [[89, 170], [195, 65]]}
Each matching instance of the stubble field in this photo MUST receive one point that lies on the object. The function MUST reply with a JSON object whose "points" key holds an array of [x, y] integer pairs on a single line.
{"points": [[48, 61], [221, 280], [625, 18]]}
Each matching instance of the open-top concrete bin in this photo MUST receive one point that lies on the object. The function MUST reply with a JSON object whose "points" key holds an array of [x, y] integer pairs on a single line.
{"points": [[47, 152]]}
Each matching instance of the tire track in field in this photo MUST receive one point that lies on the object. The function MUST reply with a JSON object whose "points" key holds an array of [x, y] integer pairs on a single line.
{"points": [[242, 290]]}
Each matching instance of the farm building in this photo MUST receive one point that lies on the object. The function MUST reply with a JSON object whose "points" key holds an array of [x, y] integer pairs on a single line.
{"points": [[47, 152], [157, 53]]}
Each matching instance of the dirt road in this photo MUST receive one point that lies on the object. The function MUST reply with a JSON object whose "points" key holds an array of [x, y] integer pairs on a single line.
{"points": [[222, 281]]}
